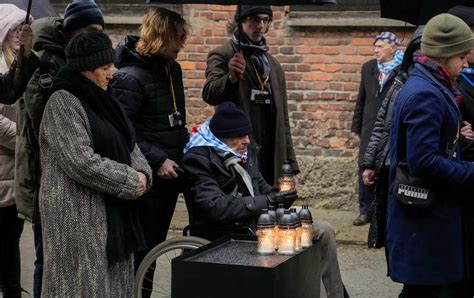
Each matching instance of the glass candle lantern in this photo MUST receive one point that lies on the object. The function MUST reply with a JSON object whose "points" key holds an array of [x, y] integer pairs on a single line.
{"points": [[306, 226], [265, 234], [279, 212], [272, 212], [287, 179], [296, 220], [286, 235]]}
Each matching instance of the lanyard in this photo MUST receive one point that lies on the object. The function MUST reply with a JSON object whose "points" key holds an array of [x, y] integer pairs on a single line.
{"points": [[170, 78], [262, 84]]}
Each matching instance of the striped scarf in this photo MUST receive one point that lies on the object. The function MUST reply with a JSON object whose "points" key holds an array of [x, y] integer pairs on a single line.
{"points": [[439, 72], [232, 160], [386, 68], [204, 137]]}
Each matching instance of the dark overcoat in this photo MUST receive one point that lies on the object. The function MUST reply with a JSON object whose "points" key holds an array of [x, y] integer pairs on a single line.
{"points": [[466, 86], [218, 89], [214, 210], [369, 100], [426, 247]]}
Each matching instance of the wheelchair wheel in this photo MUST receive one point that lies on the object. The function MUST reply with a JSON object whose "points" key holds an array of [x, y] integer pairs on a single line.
{"points": [[153, 278]]}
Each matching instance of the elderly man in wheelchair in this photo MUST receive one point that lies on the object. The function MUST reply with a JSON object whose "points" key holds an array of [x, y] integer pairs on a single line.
{"points": [[226, 192]]}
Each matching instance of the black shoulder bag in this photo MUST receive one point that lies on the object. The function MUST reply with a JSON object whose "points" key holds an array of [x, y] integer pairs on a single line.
{"points": [[411, 190]]}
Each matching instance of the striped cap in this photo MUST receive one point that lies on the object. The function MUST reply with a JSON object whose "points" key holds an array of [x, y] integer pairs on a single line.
{"points": [[80, 14], [388, 37]]}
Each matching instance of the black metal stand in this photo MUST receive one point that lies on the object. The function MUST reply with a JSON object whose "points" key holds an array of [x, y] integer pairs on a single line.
{"points": [[231, 267]]}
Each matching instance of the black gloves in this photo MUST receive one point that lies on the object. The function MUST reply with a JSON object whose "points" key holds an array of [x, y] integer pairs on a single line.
{"points": [[285, 197]]}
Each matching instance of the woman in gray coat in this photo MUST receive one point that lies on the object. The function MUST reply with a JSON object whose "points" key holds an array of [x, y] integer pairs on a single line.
{"points": [[92, 171]]}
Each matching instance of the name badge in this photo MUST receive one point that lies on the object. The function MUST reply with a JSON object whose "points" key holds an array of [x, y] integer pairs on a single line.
{"points": [[260, 97], [175, 119]]}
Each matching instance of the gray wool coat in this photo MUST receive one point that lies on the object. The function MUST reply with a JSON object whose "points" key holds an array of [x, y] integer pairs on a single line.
{"points": [[72, 206]]}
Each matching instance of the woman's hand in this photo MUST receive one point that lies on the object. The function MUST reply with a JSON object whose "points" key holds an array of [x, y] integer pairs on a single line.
{"points": [[166, 171], [141, 187], [466, 131], [26, 39]]}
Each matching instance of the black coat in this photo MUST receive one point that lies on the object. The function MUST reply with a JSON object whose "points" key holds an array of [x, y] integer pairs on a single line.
{"points": [[142, 86], [213, 211], [467, 112], [10, 91], [368, 103]]}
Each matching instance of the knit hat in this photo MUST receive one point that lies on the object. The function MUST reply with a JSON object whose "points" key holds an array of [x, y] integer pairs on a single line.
{"points": [[465, 13], [445, 36], [80, 14], [251, 10], [89, 51], [230, 121], [388, 37]]}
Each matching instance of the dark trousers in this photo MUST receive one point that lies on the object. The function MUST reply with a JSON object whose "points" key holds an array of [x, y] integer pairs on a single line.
{"points": [[156, 209], [11, 228], [38, 273], [366, 195], [457, 290]]}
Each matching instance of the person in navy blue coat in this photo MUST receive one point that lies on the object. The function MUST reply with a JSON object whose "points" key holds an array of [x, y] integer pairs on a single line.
{"points": [[425, 246]]}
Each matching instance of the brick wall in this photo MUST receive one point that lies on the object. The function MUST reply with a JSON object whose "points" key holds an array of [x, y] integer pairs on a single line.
{"points": [[322, 68]]}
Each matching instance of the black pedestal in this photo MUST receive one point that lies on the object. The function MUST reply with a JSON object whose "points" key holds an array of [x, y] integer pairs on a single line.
{"points": [[231, 268]]}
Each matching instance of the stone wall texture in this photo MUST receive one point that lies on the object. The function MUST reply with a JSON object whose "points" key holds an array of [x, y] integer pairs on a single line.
{"points": [[322, 66]]}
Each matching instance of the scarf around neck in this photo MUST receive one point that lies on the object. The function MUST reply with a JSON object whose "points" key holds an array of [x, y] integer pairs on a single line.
{"points": [[257, 53], [466, 75], [204, 137], [439, 72], [231, 159], [386, 68], [113, 138]]}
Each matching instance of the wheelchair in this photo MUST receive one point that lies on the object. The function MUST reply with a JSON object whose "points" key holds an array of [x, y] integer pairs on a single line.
{"points": [[153, 277]]}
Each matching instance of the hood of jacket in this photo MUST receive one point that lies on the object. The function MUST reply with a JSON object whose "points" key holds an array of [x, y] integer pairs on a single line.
{"points": [[125, 54], [47, 36], [412, 46]]}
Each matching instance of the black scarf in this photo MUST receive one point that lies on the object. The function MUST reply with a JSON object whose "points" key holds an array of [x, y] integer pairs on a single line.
{"points": [[112, 137], [256, 51]]}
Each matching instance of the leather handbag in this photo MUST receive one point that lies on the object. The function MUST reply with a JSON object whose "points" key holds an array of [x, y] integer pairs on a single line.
{"points": [[411, 190]]}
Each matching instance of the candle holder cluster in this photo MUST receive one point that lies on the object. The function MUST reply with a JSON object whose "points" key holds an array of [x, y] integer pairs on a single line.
{"points": [[284, 231]]}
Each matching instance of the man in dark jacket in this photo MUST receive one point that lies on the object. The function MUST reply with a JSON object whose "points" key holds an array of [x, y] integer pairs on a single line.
{"points": [[465, 84], [227, 192], [51, 36], [254, 80], [376, 78]]}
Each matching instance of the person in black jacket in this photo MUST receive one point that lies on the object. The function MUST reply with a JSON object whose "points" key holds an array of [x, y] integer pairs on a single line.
{"points": [[226, 191], [376, 77], [149, 84], [376, 163], [465, 84]]}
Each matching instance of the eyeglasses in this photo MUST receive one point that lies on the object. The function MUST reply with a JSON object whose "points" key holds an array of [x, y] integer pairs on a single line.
{"points": [[16, 30], [257, 20]]}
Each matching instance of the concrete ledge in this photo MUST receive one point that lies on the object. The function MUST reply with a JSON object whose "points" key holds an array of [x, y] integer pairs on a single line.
{"points": [[342, 19]]}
